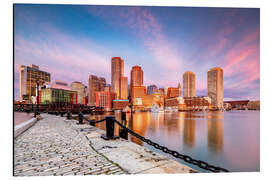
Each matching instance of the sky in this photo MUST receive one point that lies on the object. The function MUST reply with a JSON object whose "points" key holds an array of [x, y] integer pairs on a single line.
{"points": [[73, 41]]}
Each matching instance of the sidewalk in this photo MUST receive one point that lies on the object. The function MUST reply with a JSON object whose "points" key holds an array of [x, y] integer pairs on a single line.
{"points": [[55, 146]]}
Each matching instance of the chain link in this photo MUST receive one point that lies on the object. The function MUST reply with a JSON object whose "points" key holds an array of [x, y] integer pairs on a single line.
{"points": [[188, 159]]}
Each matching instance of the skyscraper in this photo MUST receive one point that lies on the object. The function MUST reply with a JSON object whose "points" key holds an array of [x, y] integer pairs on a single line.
{"points": [[95, 84], [189, 84], [124, 88], [136, 76], [117, 71], [29, 75], [215, 86]]}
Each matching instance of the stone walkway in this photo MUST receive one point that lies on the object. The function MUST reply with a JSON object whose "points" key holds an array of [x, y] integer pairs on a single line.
{"points": [[55, 146]]}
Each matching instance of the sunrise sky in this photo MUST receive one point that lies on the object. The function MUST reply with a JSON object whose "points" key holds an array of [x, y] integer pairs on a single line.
{"points": [[72, 41]]}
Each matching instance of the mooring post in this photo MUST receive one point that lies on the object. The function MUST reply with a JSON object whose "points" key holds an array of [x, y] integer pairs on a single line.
{"points": [[68, 115], [122, 131], [92, 119], [109, 128], [80, 117]]}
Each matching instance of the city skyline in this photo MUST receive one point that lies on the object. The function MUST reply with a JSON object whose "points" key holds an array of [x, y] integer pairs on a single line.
{"points": [[141, 36]]}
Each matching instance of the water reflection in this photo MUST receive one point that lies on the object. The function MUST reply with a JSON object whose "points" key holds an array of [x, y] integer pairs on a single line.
{"points": [[189, 130], [215, 131], [219, 138]]}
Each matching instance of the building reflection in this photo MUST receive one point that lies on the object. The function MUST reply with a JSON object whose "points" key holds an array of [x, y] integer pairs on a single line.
{"points": [[215, 131], [189, 130], [139, 123]]}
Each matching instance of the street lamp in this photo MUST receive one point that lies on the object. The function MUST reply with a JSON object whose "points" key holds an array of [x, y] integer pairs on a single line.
{"points": [[37, 100]]}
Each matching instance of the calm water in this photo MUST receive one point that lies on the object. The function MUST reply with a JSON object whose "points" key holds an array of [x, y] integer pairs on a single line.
{"points": [[226, 139]]}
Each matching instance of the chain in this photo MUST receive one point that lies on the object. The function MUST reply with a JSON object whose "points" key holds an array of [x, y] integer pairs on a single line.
{"points": [[93, 121], [188, 159]]}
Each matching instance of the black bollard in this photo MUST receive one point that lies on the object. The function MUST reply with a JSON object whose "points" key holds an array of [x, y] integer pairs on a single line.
{"points": [[80, 117], [68, 115], [109, 129], [122, 131]]}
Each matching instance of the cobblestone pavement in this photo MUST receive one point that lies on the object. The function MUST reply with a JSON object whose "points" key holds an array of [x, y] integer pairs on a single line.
{"points": [[55, 146]]}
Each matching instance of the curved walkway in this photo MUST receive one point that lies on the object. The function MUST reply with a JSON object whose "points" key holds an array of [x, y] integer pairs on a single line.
{"points": [[55, 146]]}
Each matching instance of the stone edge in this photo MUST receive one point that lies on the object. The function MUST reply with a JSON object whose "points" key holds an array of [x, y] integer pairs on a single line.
{"points": [[20, 128]]}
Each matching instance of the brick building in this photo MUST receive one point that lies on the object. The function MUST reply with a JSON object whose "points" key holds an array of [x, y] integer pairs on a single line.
{"points": [[105, 99]]}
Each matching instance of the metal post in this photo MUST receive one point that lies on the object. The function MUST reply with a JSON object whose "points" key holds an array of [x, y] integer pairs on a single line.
{"points": [[122, 131], [80, 117], [109, 129], [68, 115]]}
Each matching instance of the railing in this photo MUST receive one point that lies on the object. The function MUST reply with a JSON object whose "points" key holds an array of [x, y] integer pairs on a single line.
{"points": [[110, 121], [123, 133]]}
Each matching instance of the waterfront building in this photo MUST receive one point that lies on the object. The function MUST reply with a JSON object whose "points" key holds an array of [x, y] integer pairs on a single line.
{"points": [[215, 86], [189, 84], [80, 88], [95, 84], [173, 92], [52, 95], [253, 105], [136, 76], [120, 104], [138, 92], [29, 75], [152, 89], [117, 71], [104, 99], [188, 103], [124, 88]]}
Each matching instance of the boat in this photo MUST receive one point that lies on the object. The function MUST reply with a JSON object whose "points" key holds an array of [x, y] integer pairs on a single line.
{"points": [[156, 109]]}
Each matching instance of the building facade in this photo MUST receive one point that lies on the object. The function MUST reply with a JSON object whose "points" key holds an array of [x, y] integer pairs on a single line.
{"points": [[95, 84], [120, 104], [152, 89], [117, 71], [215, 86], [51, 95], [81, 91], [124, 88], [29, 75], [189, 84], [173, 92], [104, 99], [136, 76]]}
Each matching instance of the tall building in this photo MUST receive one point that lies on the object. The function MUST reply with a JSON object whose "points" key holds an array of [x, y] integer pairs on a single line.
{"points": [[95, 84], [117, 71], [152, 89], [29, 75], [80, 89], [124, 88], [215, 86], [136, 76], [189, 84]]}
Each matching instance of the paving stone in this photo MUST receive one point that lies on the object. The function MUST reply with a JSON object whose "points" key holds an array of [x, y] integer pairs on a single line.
{"points": [[56, 146]]}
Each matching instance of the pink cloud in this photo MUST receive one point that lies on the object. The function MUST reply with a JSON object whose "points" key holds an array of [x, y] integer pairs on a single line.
{"points": [[146, 27]]}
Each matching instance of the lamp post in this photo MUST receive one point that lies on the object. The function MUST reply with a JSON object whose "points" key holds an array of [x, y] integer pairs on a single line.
{"points": [[37, 100]]}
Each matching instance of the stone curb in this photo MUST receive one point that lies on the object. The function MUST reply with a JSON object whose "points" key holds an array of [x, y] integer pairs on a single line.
{"points": [[20, 128]]}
